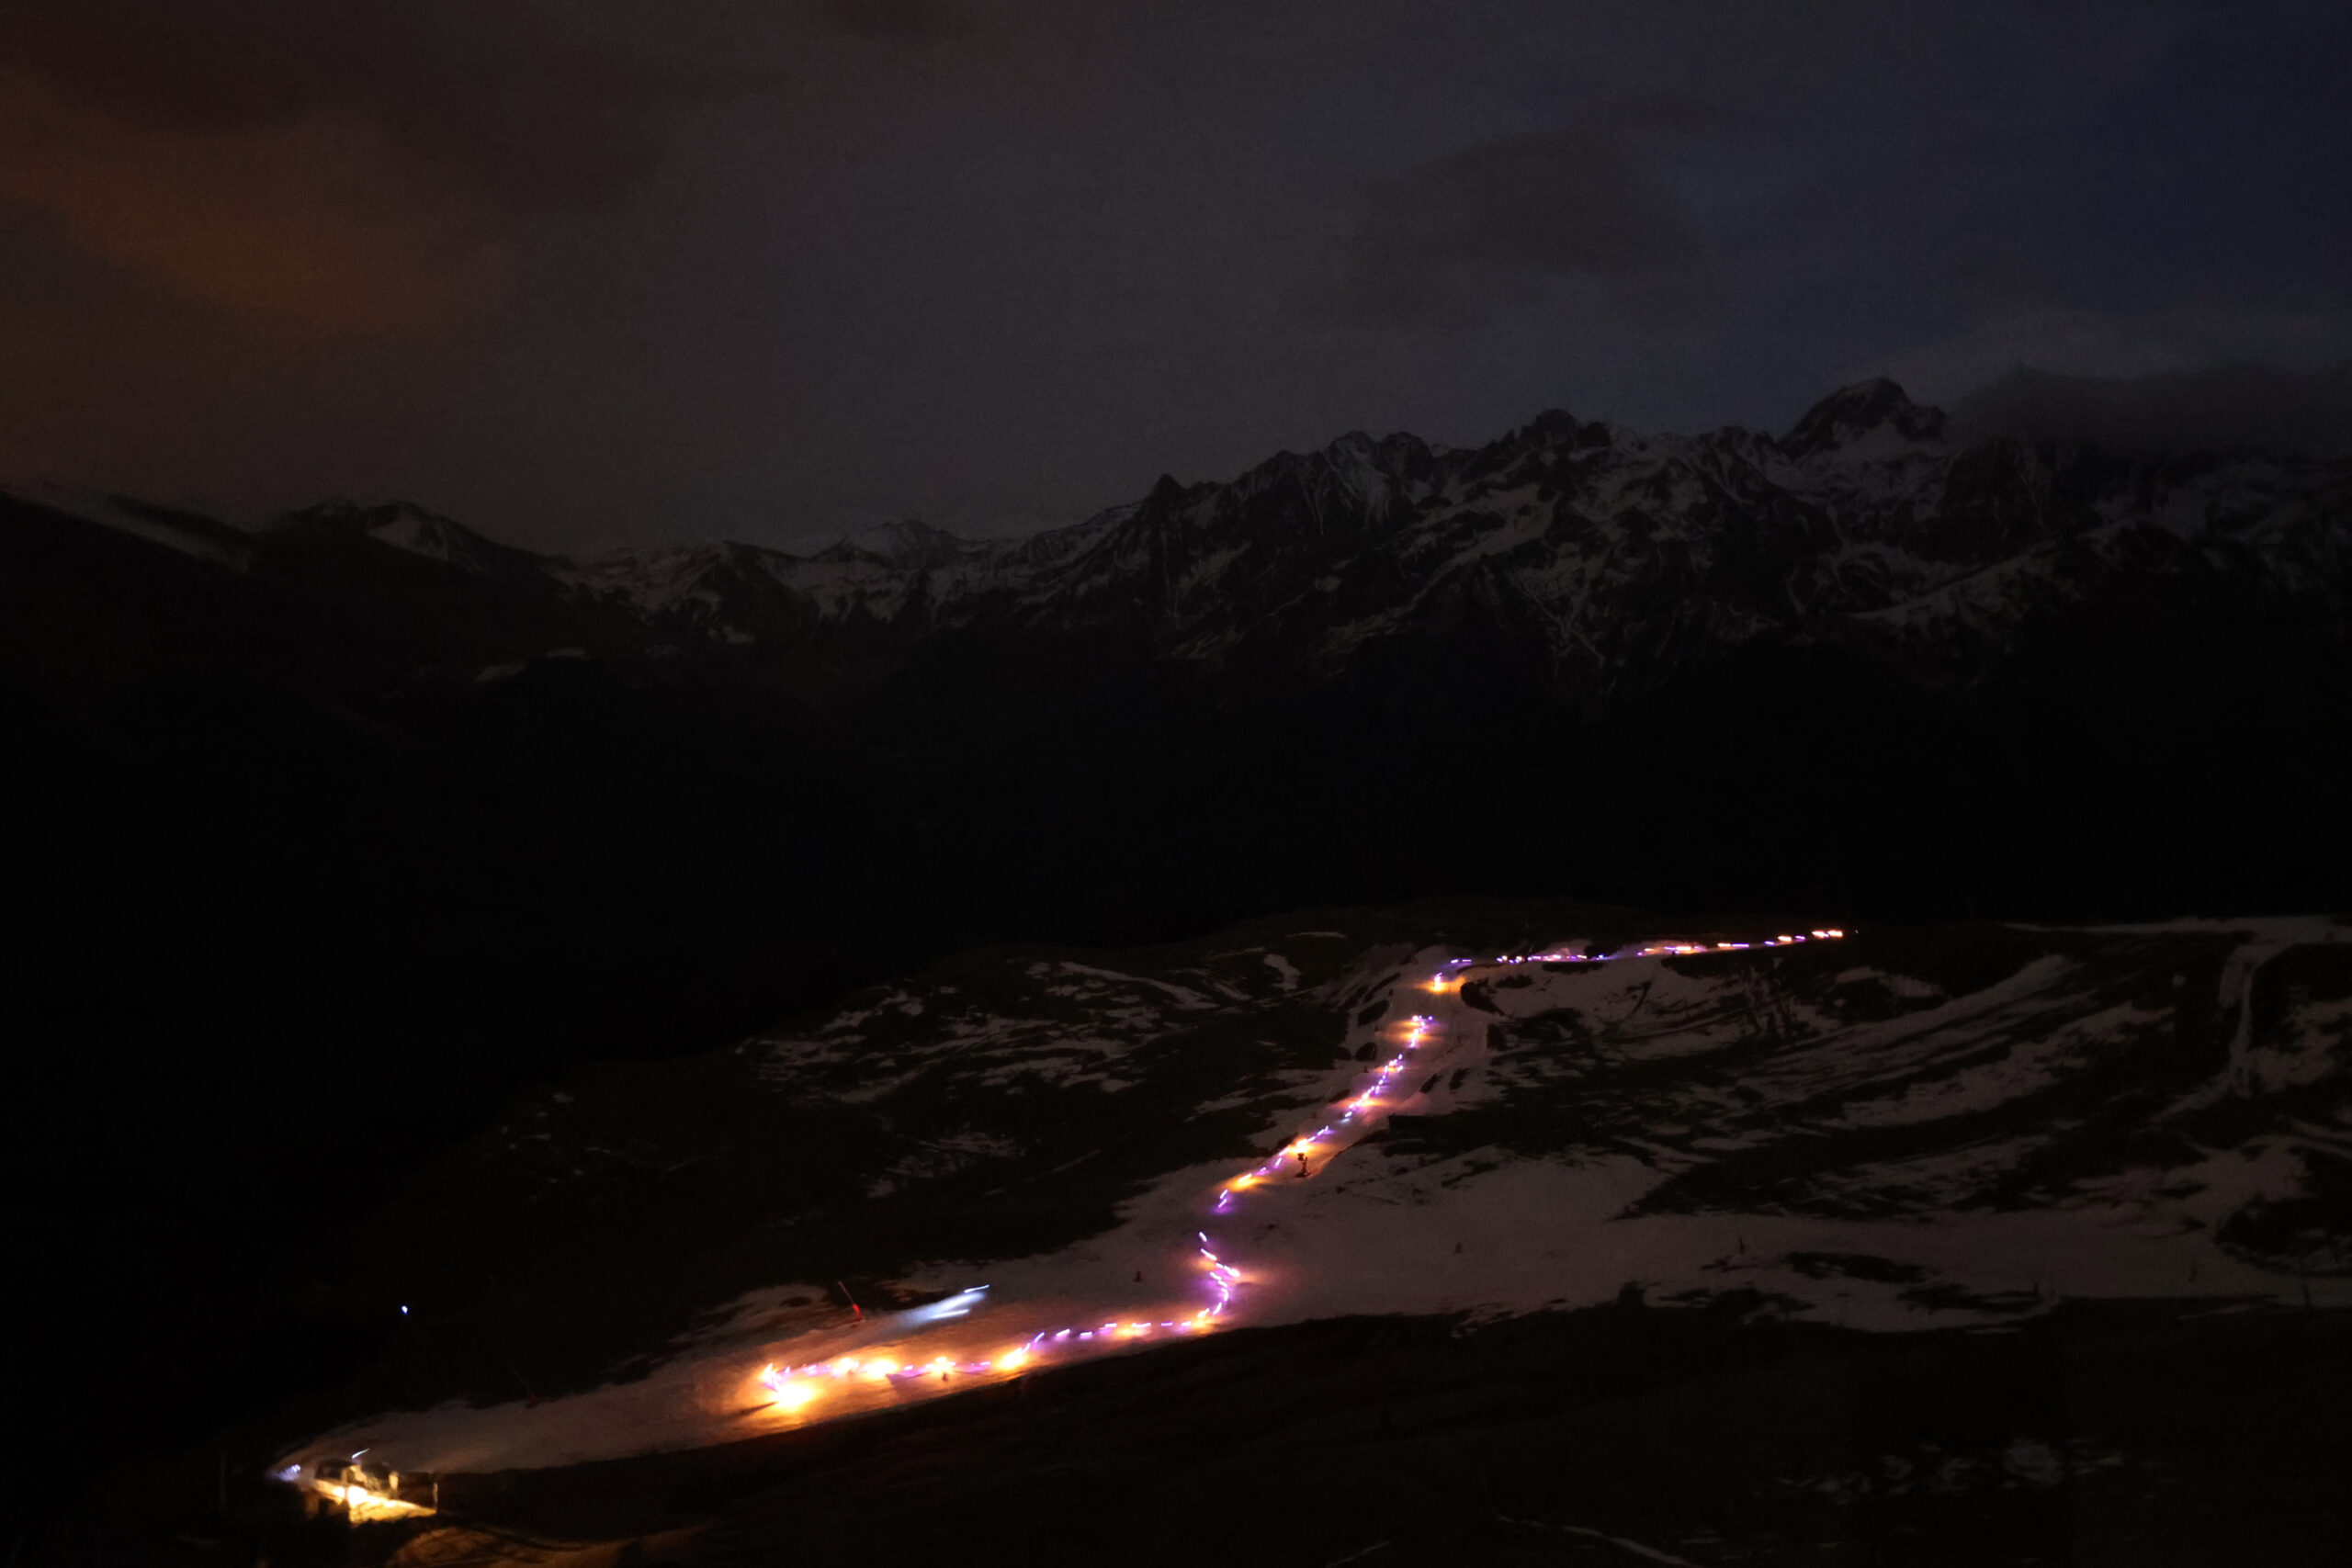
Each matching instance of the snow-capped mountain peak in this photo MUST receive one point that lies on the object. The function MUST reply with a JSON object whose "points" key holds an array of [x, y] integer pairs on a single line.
{"points": [[1597, 560], [1877, 411]]}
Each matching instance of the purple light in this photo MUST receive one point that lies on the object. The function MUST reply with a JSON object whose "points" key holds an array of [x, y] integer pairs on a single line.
{"points": [[1223, 1278]]}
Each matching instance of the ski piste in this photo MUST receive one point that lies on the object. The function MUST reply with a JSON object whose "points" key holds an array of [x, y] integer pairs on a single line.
{"points": [[886, 1358], [803, 1388]]}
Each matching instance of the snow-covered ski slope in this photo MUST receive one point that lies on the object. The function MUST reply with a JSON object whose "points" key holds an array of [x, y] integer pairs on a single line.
{"points": [[1901, 1129]]}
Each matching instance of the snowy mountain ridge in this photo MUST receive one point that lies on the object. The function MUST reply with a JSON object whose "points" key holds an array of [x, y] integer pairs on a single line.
{"points": [[1595, 560], [1604, 556]]}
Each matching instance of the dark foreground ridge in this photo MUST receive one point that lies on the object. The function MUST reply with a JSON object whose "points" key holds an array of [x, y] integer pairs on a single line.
{"points": [[2101, 1433]]}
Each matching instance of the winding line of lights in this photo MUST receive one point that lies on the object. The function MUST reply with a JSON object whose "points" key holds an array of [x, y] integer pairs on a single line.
{"points": [[795, 1388]]}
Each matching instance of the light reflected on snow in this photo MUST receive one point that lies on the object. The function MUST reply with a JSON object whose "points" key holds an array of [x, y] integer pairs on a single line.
{"points": [[368, 1506], [885, 1369], [958, 1305], [790, 1394]]}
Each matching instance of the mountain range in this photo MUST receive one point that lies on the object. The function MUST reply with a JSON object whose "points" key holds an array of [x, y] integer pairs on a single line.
{"points": [[339, 832], [2100, 680], [1594, 561]]}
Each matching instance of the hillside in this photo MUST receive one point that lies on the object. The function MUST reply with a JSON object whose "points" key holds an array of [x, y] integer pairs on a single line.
{"points": [[1937, 1211]]}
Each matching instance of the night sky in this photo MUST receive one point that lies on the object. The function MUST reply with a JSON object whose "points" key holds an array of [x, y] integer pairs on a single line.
{"points": [[629, 271]]}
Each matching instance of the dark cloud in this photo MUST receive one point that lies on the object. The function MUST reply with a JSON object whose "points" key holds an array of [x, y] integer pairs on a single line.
{"points": [[889, 18], [526, 107], [317, 167], [1003, 261], [2256, 407], [1492, 223]]}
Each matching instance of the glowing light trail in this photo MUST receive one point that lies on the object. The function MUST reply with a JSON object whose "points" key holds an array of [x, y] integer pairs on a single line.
{"points": [[795, 1389], [367, 1506], [877, 1375]]}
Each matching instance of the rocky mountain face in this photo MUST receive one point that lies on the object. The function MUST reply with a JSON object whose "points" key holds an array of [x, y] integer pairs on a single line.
{"points": [[1597, 562]]}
